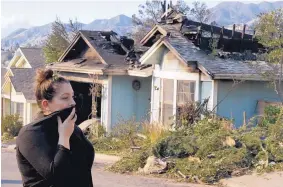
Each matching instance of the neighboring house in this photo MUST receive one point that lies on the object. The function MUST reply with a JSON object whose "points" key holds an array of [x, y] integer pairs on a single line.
{"points": [[103, 58], [3, 72], [183, 71], [17, 88]]}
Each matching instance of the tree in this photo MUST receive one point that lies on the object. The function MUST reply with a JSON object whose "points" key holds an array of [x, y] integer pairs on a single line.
{"points": [[200, 12], [59, 39], [150, 13], [269, 32], [182, 7]]}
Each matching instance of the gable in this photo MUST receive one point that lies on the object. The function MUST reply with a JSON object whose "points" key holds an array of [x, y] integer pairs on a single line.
{"points": [[156, 56], [8, 87], [153, 36], [170, 62], [14, 60], [22, 63], [166, 58], [90, 54], [80, 49], [77, 50]]}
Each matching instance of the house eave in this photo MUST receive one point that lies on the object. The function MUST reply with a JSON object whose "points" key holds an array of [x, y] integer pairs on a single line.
{"points": [[137, 73], [65, 69], [114, 72], [239, 77]]}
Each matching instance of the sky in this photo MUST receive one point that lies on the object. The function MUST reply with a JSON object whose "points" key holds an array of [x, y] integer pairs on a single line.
{"points": [[24, 14]]}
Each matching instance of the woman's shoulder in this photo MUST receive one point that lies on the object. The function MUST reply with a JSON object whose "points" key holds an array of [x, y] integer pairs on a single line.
{"points": [[35, 130]]}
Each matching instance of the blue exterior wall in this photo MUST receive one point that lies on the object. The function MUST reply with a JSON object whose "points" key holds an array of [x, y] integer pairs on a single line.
{"points": [[205, 92], [244, 97], [127, 102], [206, 89]]}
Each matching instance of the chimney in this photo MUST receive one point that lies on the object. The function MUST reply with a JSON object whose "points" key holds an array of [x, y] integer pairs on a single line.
{"points": [[233, 31], [171, 4], [244, 30]]}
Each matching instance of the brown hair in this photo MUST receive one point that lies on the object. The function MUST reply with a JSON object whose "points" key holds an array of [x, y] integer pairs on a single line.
{"points": [[45, 84]]}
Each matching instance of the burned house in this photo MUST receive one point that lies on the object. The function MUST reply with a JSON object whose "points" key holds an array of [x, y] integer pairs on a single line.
{"points": [[109, 82], [193, 61]]}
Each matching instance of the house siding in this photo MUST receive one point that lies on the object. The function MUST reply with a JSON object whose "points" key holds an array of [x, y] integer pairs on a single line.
{"points": [[127, 102], [243, 98], [206, 92]]}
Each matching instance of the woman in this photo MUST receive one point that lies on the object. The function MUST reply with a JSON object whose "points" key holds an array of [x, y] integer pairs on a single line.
{"points": [[51, 152]]}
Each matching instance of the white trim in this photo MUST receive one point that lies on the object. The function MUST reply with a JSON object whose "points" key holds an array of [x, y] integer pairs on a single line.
{"points": [[139, 73], [176, 75], [5, 96], [19, 61], [175, 90], [214, 94], [152, 99], [161, 101], [16, 55], [73, 70], [151, 50], [198, 88], [109, 104]]}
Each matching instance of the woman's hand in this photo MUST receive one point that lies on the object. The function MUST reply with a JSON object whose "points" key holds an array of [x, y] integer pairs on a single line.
{"points": [[66, 129]]}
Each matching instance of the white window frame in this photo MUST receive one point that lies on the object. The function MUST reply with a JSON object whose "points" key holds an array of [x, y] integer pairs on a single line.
{"points": [[177, 76]]}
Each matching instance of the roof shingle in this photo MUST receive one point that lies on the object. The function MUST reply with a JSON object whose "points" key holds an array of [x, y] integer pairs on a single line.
{"points": [[214, 65]]}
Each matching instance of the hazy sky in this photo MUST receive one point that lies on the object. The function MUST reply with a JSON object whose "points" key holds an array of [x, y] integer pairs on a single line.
{"points": [[23, 14]]}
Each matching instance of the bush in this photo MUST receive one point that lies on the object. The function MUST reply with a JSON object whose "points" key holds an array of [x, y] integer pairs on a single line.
{"points": [[97, 130], [11, 124], [271, 115], [175, 146], [131, 162], [154, 132], [190, 113], [6, 137], [126, 130]]}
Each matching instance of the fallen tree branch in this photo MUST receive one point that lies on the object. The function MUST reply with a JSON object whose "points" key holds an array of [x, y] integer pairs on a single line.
{"points": [[180, 173]]}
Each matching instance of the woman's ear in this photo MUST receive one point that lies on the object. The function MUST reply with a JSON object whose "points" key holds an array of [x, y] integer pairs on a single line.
{"points": [[45, 105]]}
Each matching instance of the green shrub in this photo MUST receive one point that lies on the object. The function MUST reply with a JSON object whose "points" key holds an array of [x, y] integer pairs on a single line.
{"points": [[209, 144], [131, 162], [210, 170], [6, 137], [175, 146], [11, 124], [154, 132], [109, 145], [271, 115], [252, 143]]}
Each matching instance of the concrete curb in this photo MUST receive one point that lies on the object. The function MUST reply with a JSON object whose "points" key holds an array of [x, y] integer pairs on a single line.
{"points": [[266, 180], [8, 147], [106, 158]]}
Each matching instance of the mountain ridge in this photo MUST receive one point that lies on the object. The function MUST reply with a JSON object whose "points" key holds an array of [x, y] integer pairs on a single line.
{"points": [[224, 14]]}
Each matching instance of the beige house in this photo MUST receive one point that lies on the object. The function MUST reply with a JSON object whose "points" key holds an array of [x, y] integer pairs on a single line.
{"points": [[17, 84]]}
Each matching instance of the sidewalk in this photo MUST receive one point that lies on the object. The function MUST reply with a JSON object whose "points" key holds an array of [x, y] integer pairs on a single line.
{"points": [[266, 180]]}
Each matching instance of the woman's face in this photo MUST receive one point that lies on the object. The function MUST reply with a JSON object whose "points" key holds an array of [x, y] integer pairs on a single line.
{"points": [[62, 99]]}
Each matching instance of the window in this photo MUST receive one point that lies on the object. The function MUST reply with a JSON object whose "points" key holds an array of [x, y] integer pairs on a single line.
{"points": [[20, 110], [185, 92], [12, 107], [167, 101], [174, 96]]}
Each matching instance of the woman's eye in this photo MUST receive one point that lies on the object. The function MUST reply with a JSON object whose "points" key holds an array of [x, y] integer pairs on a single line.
{"points": [[65, 98]]}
